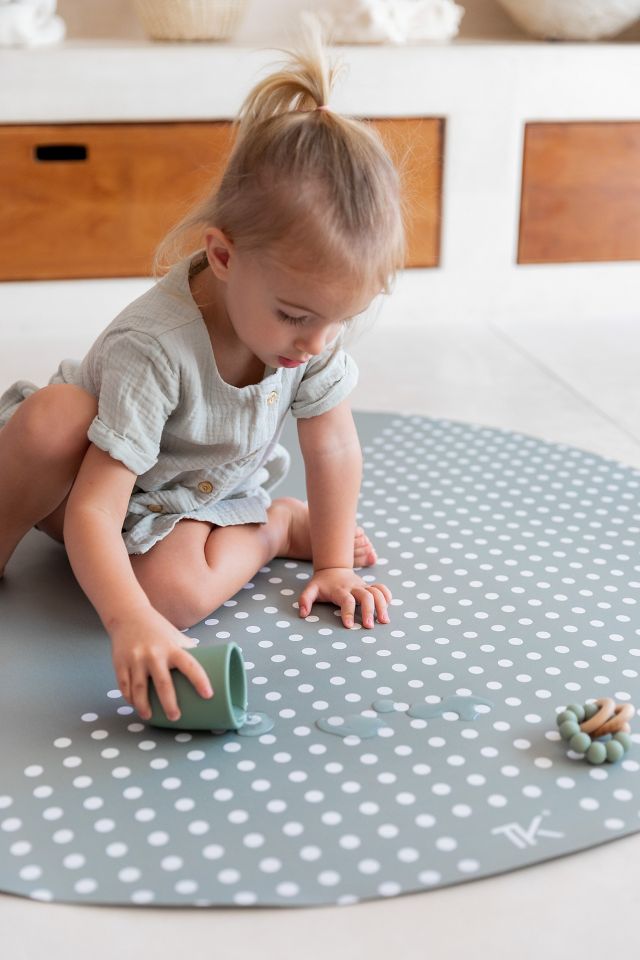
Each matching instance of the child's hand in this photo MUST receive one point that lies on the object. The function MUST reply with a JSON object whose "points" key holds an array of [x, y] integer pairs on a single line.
{"points": [[149, 646], [340, 585]]}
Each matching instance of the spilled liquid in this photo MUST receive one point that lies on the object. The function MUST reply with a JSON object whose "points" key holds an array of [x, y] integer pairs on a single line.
{"points": [[255, 724], [383, 706], [465, 707], [367, 727]]}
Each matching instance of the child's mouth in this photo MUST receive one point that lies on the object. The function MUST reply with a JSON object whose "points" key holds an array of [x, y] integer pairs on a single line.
{"points": [[285, 362]]}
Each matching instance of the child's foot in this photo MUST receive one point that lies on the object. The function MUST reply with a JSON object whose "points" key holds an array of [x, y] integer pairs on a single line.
{"points": [[297, 544]]}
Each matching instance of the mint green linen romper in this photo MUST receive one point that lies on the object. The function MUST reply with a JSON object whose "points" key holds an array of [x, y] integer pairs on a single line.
{"points": [[200, 447]]}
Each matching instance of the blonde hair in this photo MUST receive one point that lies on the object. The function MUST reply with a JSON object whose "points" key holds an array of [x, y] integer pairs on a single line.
{"points": [[303, 182]]}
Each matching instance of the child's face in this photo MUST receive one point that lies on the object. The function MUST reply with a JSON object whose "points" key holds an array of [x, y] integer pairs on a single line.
{"points": [[285, 316]]}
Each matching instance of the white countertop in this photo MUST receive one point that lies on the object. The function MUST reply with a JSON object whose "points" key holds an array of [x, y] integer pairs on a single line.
{"points": [[84, 80]]}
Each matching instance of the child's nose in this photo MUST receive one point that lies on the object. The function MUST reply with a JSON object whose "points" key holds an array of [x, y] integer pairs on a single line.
{"points": [[313, 342]]}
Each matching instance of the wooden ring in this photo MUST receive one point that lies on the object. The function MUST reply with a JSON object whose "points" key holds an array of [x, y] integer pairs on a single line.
{"points": [[619, 721], [606, 711]]}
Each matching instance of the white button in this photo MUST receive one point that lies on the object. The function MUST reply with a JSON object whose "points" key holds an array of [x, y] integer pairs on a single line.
{"points": [[273, 396]]}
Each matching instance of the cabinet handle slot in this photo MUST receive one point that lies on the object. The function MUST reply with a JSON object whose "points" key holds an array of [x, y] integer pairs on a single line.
{"points": [[57, 152]]}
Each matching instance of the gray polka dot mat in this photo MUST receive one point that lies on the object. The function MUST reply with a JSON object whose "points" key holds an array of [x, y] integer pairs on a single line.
{"points": [[515, 573]]}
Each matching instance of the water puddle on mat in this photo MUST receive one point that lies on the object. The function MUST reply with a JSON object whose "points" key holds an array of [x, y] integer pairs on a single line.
{"points": [[255, 724], [366, 727]]}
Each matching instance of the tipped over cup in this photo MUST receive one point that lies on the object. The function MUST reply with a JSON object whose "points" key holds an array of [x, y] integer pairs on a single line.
{"points": [[225, 710]]}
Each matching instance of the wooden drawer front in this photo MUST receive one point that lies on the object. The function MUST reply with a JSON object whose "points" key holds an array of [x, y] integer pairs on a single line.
{"points": [[93, 200], [416, 145], [580, 192], [102, 216]]}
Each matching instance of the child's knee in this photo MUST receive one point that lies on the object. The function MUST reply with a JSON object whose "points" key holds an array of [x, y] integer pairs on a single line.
{"points": [[181, 595], [55, 420]]}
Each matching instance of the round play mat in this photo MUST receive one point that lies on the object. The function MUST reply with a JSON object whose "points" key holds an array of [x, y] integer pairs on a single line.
{"points": [[420, 753]]}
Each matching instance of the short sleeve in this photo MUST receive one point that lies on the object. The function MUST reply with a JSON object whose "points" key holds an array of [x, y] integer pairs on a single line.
{"points": [[327, 380], [137, 389]]}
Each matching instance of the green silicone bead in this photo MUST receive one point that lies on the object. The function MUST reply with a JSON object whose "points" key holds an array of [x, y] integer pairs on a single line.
{"points": [[615, 751], [590, 710], [624, 739], [580, 742], [597, 752], [569, 729], [565, 717], [578, 710]]}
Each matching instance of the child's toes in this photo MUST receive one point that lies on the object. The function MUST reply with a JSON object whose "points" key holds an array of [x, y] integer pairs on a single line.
{"points": [[363, 554]]}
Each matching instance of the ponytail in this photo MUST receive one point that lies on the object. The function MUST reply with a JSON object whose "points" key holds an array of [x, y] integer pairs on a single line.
{"points": [[303, 181]]}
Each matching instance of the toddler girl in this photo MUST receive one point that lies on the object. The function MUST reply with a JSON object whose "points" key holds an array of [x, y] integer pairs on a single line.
{"points": [[155, 456]]}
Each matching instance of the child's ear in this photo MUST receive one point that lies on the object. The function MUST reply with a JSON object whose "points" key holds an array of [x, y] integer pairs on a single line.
{"points": [[218, 249]]}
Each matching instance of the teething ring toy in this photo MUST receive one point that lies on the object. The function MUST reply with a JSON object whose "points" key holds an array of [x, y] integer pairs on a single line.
{"points": [[584, 727]]}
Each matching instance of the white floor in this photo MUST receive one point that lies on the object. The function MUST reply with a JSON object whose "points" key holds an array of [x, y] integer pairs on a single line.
{"points": [[559, 378]]}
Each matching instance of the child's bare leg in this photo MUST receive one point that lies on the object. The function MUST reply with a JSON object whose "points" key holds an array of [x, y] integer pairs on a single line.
{"points": [[195, 569], [41, 449]]}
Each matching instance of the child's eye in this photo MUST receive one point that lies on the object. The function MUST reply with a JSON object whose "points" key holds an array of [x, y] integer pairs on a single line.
{"points": [[289, 319]]}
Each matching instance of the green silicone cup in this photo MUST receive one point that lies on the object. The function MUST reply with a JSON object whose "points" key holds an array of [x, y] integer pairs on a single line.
{"points": [[225, 710]]}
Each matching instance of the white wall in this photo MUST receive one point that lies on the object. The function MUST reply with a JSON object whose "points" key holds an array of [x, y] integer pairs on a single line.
{"points": [[268, 20]]}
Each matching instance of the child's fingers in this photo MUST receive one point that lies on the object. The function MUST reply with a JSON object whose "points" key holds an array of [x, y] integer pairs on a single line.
{"points": [[188, 642], [306, 599], [381, 604], [124, 685], [365, 599], [194, 672], [385, 590], [166, 693], [347, 609]]}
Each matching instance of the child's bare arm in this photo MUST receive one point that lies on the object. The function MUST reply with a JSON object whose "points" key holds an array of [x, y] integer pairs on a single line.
{"points": [[333, 467], [144, 642]]}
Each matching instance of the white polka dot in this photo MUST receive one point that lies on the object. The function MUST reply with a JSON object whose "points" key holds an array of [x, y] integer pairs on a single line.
{"points": [[11, 824], [74, 861], [86, 885], [105, 825], [116, 849], [20, 849], [158, 838], [213, 851], [446, 843], [186, 887], [245, 898], [142, 896], [33, 771]]}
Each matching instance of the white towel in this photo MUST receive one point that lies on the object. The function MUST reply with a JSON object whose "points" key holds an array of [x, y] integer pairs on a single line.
{"points": [[30, 23], [392, 21]]}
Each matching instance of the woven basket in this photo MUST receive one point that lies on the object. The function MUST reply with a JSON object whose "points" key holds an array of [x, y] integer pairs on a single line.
{"points": [[190, 19]]}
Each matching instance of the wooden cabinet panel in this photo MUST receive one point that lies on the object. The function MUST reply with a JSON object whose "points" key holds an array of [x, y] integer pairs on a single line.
{"points": [[580, 192], [93, 200], [100, 216], [416, 145]]}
